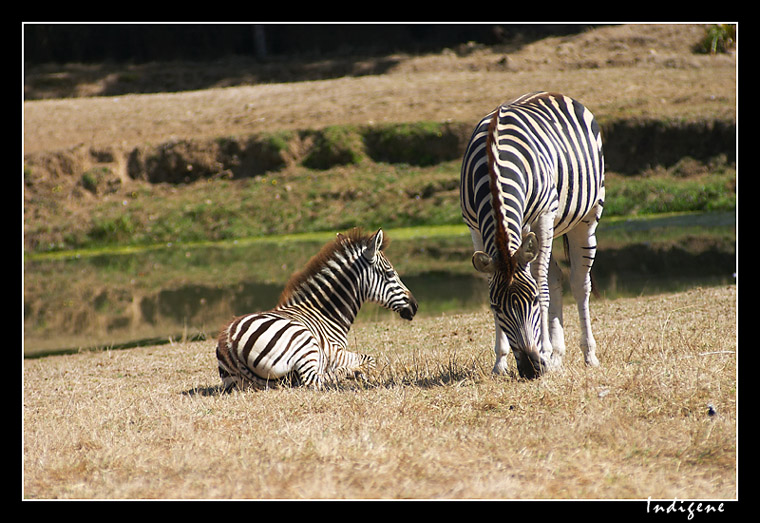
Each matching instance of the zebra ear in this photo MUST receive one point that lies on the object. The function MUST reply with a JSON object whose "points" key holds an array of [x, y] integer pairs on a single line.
{"points": [[483, 262], [528, 251], [375, 244]]}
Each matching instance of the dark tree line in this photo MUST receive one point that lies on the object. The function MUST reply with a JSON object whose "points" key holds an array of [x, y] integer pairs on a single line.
{"points": [[140, 43]]}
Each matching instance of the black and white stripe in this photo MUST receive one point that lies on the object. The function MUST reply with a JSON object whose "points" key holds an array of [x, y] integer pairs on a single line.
{"points": [[304, 338], [534, 170]]}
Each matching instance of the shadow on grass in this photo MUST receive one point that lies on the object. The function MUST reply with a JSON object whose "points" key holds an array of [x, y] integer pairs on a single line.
{"points": [[216, 390], [449, 374]]}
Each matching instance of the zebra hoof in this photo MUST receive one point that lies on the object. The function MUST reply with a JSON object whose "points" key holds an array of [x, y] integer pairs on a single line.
{"points": [[500, 368], [555, 362]]}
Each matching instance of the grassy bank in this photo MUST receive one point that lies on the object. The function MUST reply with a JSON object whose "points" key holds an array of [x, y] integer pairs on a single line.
{"points": [[303, 200]]}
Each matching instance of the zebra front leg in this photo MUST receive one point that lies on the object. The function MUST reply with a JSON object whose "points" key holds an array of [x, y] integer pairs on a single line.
{"points": [[353, 364], [582, 248], [556, 329], [544, 230], [311, 367], [501, 349], [366, 365], [501, 343]]}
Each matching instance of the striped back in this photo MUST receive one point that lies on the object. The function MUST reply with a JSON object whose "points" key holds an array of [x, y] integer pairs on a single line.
{"points": [[539, 153]]}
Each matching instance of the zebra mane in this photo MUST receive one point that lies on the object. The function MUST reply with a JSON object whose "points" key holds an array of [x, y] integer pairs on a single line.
{"points": [[353, 237], [505, 262]]}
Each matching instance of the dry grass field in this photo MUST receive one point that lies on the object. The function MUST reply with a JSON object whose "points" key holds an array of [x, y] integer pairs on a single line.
{"points": [[432, 423]]}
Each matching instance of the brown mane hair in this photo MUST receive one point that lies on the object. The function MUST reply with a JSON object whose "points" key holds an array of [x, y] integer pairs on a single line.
{"points": [[505, 262], [355, 236]]}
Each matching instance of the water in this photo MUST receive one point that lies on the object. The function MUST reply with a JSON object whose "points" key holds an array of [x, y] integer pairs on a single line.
{"points": [[114, 300]]}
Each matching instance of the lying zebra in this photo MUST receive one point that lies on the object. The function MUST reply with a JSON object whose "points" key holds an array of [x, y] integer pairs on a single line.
{"points": [[304, 337]]}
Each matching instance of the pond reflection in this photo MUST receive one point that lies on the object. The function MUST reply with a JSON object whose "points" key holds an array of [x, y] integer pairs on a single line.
{"points": [[108, 300], [174, 292]]}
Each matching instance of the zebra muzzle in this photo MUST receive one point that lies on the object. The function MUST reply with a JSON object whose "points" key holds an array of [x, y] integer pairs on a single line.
{"points": [[410, 309], [530, 364]]}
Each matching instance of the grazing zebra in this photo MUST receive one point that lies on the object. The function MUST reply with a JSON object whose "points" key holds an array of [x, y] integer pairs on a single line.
{"points": [[532, 171], [304, 337]]}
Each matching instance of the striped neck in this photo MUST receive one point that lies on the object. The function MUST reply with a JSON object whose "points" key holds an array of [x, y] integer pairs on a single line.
{"points": [[326, 295]]}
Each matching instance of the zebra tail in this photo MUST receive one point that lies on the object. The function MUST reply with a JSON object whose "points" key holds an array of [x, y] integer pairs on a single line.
{"points": [[505, 262], [594, 290], [566, 246]]}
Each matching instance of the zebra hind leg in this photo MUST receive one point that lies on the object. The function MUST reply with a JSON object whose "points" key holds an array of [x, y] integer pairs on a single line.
{"points": [[229, 376], [582, 250], [247, 381], [242, 378], [229, 381]]}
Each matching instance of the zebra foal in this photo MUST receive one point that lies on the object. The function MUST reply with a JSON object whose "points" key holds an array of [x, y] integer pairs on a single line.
{"points": [[304, 338], [532, 171]]}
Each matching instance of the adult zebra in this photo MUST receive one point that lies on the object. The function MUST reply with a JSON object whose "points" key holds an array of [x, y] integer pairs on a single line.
{"points": [[532, 171], [305, 336]]}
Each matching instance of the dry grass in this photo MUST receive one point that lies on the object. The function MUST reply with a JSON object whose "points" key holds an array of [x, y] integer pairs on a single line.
{"points": [[433, 423]]}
